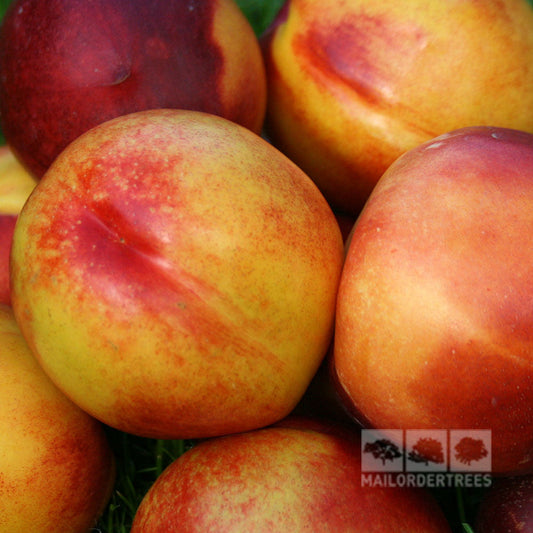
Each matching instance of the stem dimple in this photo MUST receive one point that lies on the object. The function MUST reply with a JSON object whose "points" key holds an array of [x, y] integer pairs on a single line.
{"points": [[120, 75]]}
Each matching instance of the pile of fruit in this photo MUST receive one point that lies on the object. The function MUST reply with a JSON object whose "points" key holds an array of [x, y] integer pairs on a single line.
{"points": [[239, 238]]}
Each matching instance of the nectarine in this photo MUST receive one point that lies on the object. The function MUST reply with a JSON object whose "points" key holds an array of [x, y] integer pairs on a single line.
{"points": [[68, 65], [354, 84], [434, 323], [176, 275], [56, 466], [293, 478]]}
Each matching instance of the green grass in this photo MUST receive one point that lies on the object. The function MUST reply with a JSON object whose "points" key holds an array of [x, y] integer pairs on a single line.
{"points": [[139, 462], [3, 6], [260, 12]]}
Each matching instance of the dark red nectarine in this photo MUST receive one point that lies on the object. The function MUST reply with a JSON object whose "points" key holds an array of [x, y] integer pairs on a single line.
{"points": [[68, 65]]}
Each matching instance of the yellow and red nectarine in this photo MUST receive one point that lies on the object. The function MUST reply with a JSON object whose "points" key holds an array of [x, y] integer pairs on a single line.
{"points": [[354, 84], [176, 275], [56, 466]]}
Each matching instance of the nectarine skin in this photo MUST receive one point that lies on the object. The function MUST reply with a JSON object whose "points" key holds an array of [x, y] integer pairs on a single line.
{"points": [[68, 65], [176, 275], [354, 84], [289, 478], [7, 228], [56, 466], [434, 323], [16, 184]]}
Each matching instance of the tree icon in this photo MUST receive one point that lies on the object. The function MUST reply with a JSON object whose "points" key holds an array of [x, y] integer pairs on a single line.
{"points": [[383, 449], [469, 449], [426, 450]]}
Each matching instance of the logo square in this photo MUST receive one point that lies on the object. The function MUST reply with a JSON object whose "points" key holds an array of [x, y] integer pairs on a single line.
{"points": [[382, 450], [426, 450], [470, 450]]}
